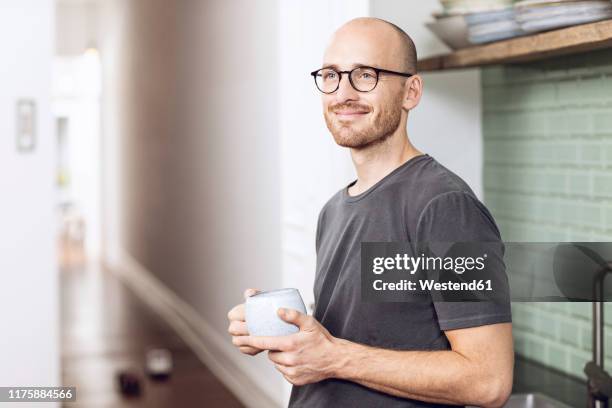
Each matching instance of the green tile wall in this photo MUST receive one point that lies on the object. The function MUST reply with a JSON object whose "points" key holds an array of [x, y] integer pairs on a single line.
{"points": [[548, 177]]}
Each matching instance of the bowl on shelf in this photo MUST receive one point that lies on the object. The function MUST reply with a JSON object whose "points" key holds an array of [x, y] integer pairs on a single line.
{"points": [[452, 30]]}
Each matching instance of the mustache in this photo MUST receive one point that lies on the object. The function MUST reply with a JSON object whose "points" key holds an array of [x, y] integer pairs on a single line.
{"points": [[349, 106]]}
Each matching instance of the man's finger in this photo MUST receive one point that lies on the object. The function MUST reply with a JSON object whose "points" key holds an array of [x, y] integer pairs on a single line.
{"points": [[237, 313], [288, 372], [281, 368], [281, 343], [238, 328], [249, 350], [282, 357], [250, 292], [292, 316]]}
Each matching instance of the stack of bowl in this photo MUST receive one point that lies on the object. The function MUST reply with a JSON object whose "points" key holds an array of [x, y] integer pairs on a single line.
{"points": [[463, 23]]}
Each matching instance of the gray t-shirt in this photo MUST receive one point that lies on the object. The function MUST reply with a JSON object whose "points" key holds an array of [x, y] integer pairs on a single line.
{"points": [[420, 201]]}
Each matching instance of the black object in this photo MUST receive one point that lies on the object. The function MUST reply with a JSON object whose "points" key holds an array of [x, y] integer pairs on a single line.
{"points": [[600, 383], [129, 384], [589, 275]]}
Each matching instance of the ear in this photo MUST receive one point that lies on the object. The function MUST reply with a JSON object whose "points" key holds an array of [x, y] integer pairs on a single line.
{"points": [[413, 90]]}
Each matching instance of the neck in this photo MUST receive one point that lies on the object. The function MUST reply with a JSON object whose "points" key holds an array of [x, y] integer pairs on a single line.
{"points": [[374, 162]]}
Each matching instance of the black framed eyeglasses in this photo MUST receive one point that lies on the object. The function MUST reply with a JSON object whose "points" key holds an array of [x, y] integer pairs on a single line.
{"points": [[362, 79]]}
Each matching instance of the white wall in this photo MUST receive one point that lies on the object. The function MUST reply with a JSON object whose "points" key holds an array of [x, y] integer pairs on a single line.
{"points": [[312, 166], [78, 25], [113, 22], [29, 348], [447, 122]]}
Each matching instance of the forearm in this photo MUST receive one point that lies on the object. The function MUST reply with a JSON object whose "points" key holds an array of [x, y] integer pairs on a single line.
{"points": [[435, 376]]}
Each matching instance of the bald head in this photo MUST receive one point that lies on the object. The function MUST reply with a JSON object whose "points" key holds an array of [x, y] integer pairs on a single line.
{"points": [[361, 118], [380, 40]]}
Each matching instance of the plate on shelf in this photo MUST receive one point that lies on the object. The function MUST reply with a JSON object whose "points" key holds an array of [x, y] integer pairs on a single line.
{"points": [[453, 7], [542, 15]]}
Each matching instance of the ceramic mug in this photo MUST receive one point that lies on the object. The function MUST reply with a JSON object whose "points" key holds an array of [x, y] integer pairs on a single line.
{"points": [[261, 312]]}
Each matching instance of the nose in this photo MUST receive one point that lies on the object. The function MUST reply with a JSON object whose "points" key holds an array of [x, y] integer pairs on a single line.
{"points": [[345, 91]]}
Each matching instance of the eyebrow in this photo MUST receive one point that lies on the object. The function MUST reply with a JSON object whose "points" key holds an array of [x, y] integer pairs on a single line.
{"points": [[336, 67]]}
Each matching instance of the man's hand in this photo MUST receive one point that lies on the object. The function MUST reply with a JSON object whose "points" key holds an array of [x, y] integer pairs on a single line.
{"points": [[238, 328], [304, 357]]}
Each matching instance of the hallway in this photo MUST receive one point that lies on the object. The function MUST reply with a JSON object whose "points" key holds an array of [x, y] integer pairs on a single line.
{"points": [[106, 328]]}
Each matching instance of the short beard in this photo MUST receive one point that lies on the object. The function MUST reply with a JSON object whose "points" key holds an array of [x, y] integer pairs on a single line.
{"points": [[385, 124]]}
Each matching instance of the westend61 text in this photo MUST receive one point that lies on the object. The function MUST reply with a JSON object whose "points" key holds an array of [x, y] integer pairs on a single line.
{"points": [[430, 284]]}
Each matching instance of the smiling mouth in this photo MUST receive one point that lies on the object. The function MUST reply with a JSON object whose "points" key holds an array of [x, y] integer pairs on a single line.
{"points": [[350, 114]]}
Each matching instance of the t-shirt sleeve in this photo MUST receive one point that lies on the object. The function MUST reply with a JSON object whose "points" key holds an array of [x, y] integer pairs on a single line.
{"points": [[460, 217], [319, 229]]}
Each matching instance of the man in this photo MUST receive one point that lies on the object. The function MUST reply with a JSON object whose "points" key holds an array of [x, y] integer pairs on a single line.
{"points": [[356, 354]]}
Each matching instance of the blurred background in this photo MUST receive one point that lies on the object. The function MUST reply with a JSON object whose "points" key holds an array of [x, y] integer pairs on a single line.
{"points": [[158, 157]]}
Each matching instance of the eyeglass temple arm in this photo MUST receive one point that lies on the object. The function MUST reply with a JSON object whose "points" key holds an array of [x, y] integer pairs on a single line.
{"points": [[404, 74]]}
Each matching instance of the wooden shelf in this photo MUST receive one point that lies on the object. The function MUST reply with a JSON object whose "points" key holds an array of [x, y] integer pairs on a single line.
{"points": [[564, 41]]}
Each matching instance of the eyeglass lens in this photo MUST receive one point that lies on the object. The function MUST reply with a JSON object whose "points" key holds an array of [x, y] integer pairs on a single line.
{"points": [[362, 79]]}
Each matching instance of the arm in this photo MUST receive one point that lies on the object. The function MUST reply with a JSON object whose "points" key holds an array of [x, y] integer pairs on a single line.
{"points": [[477, 370]]}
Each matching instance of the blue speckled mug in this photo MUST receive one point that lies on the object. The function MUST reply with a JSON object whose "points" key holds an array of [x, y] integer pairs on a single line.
{"points": [[261, 312]]}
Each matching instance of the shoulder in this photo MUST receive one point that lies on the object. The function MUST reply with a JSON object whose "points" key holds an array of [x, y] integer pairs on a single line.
{"points": [[452, 204], [428, 181], [457, 216], [440, 199]]}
